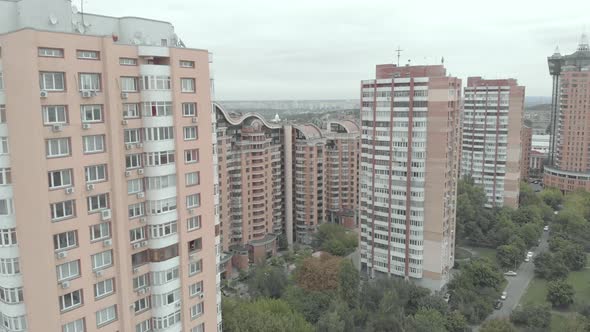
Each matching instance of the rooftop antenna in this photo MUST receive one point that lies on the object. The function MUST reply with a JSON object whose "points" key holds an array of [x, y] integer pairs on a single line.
{"points": [[399, 51]]}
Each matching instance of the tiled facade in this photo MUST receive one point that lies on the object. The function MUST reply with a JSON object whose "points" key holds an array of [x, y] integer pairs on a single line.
{"points": [[408, 172], [526, 149], [492, 128], [108, 176]]}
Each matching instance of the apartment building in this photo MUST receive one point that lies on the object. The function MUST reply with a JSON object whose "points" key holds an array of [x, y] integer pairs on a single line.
{"points": [[491, 150], [526, 150], [251, 165], [569, 149], [410, 129], [109, 175]]}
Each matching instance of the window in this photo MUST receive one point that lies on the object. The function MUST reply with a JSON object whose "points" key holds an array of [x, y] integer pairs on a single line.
{"points": [[4, 145], [87, 55], [162, 206], [144, 326], [55, 114], [11, 295], [142, 304], [195, 289], [2, 110], [193, 223], [91, 113], [69, 270], [132, 161], [130, 111], [134, 186], [187, 84], [159, 158], [155, 83], [1, 81], [104, 288], [6, 207], [93, 144], [100, 231], [191, 156], [62, 210], [96, 173], [187, 64], [131, 136], [106, 315], [89, 82], [195, 268], [137, 234], [102, 260], [51, 52], [139, 258], [52, 81], [12, 323], [195, 245], [158, 134], [98, 202], [189, 109], [75, 326], [190, 133], [9, 266], [59, 179], [141, 281], [8, 237], [70, 300], [161, 230], [65, 240], [157, 108], [160, 182], [5, 176], [167, 298], [199, 328], [192, 178], [57, 147], [161, 323], [127, 62], [136, 210], [163, 277], [193, 201], [197, 310], [129, 84]]}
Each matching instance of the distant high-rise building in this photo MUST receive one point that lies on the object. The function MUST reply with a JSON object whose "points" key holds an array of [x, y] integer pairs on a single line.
{"points": [[409, 169], [492, 128], [526, 150], [569, 149], [108, 171]]}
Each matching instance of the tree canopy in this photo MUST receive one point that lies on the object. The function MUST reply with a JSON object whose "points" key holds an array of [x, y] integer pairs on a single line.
{"points": [[335, 239]]}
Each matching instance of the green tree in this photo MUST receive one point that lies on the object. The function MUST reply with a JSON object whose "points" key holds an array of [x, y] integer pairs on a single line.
{"points": [[456, 322], [560, 293], [429, 320], [552, 197], [570, 253], [335, 239], [311, 304], [262, 315], [550, 267], [318, 274], [509, 256], [331, 322], [576, 323], [497, 325], [348, 283], [534, 317], [267, 281]]}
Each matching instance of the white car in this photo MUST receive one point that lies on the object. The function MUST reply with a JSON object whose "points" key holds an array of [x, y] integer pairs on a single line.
{"points": [[503, 296], [510, 273], [546, 228], [529, 254], [527, 259]]}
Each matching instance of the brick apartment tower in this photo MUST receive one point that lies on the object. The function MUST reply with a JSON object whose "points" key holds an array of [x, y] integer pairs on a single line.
{"points": [[108, 163], [568, 166], [409, 168], [491, 144], [526, 148]]}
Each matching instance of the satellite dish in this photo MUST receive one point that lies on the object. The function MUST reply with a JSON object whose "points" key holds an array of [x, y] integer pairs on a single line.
{"points": [[52, 19], [74, 9]]}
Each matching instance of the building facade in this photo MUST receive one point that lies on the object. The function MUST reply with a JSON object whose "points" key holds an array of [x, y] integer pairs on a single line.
{"points": [[569, 156], [410, 133], [109, 174], [491, 149], [526, 149]]}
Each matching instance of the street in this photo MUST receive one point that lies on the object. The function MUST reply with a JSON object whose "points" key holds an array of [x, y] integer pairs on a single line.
{"points": [[518, 284]]}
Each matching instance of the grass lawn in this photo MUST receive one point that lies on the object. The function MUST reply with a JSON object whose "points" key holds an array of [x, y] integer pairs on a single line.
{"points": [[535, 293], [484, 252], [461, 253], [557, 322]]}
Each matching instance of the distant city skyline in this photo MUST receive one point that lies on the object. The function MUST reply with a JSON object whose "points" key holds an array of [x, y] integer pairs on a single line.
{"points": [[264, 50]]}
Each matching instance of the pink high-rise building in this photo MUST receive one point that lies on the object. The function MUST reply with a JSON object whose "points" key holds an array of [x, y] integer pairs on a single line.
{"points": [[108, 175], [409, 170]]}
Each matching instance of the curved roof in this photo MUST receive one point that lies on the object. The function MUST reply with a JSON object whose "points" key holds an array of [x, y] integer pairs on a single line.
{"points": [[349, 125], [309, 130], [238, 120]]}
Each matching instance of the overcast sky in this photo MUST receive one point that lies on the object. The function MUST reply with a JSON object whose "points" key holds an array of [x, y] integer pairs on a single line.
{"points": [[319, 49]]}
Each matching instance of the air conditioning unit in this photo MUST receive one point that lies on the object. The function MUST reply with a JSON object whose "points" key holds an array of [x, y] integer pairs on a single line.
{"points": [[62, 254], [124, 122], [69, 190], [98, 273], [135, 270], [86, 126], [124, 95], [107, 243], [128, 146], [141, 291], [127, 173], [65, 284], [140, 195], [57, 127], [86, 94], [105, 214], [143, 220], [136, 245], [143, 243], [44, 94], [140, 171], [89, 187], [195, 119], [202, 295]]}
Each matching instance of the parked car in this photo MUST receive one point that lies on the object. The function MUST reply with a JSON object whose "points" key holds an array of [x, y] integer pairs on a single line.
{"points": [[510, 273], [527, 259], [498, 304], [530, 254], [546, 228], [504, 295], [447, 297]]}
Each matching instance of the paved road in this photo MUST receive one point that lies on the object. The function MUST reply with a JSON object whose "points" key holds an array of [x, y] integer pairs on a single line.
{"points": [[517, 285]]}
